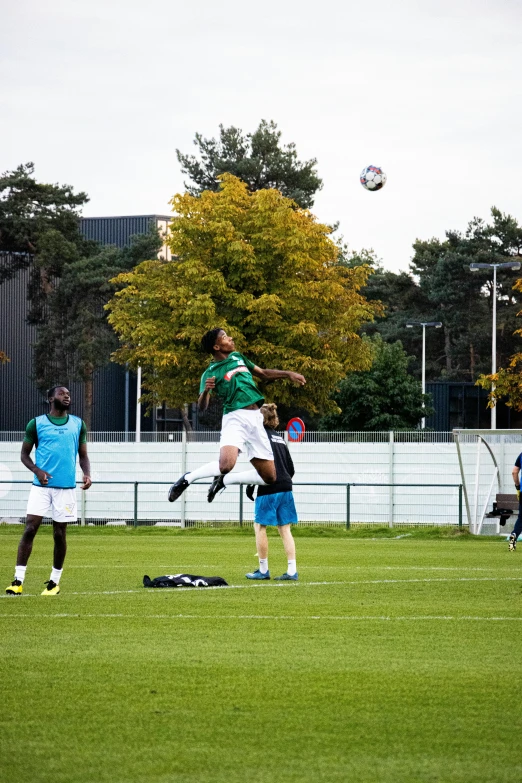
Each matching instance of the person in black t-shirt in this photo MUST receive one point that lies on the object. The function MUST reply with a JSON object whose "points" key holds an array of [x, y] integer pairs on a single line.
{"points": [[275, 505]]}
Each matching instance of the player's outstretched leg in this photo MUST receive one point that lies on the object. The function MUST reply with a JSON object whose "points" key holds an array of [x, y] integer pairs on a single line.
{"points": [[205, 471], [262, 474]]}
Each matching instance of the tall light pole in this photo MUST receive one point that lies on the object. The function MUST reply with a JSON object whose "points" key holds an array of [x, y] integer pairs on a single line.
{"points": [[515, 266], [138, 404], [424, 324]]}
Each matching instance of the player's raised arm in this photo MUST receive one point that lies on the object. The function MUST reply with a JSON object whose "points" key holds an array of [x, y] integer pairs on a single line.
{"points": [[275, 375]]}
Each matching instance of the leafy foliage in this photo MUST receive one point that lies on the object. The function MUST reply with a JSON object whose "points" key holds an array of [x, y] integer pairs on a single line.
{"points": [[441, 287], [32, 216], [76, 339], [256, 158], [386, 397], [265, 271]]}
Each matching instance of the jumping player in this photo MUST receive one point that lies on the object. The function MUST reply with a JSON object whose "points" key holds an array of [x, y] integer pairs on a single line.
{"points": [[58, 438], [229, 375], [275, 505]]}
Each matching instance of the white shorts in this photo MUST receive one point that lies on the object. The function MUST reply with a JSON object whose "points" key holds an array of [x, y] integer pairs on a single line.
{"points": [[59, 504], [244, 429]]}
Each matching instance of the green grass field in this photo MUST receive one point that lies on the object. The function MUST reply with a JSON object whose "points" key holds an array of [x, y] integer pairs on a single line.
{"points": [[391, 661]]}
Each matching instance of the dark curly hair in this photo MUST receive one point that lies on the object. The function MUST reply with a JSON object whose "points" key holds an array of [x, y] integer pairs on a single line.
{"points": [[52, 391], [208, 340]]}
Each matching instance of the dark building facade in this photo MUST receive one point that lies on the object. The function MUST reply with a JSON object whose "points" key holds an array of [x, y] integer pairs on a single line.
{"points": [[119, 230], [20, 399], [114, 393], [464, 405]]}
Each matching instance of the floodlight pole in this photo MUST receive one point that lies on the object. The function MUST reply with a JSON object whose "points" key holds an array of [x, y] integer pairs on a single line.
{"points": [[424, 324], [494, 346], [514, 266], [423, 420], [138, 404]]}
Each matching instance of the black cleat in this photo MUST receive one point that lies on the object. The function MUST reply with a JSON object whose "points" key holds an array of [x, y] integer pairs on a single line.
{"points": [[512, 542], [249, 492], [178, 488], [216, 486]]}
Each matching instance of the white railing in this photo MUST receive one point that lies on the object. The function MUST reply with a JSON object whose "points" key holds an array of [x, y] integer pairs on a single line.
{"points": [[212, 436]]}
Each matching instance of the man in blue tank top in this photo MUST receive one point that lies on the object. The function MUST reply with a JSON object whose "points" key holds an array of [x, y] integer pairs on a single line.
{"points": [[58, 438]]}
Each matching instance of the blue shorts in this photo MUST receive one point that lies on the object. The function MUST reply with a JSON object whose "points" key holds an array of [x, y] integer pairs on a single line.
{"points": [[276, 509]]}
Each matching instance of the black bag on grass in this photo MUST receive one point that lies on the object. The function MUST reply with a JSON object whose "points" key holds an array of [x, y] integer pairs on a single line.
{"points": [[184, 580]]}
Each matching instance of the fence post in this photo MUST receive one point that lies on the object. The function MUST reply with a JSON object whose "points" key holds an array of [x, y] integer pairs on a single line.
{"points": [[390, 478], [135, 504], [183, 471], [460, 505], [83, 497], [347, 506], [240, 505]]}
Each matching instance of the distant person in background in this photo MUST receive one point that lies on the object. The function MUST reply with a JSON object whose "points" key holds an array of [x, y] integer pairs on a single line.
{"points": [[59, 438], [275, 505], [517, 530]]}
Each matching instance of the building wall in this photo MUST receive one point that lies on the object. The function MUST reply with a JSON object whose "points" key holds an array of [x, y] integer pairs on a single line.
{"points": [[20, 399], [465, 405], [118, 230]]}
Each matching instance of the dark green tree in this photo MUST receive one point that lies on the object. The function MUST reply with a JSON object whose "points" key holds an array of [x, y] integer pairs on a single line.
{"points": [[403, 300], [257, 158], [441, 287], [76, 339], [463, 300], [38, 220], [386, 397]]}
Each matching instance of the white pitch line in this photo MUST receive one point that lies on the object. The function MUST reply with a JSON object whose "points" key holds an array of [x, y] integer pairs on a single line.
{"points": [[333, 618], [103, 566], [294, 585], [176, 567]]}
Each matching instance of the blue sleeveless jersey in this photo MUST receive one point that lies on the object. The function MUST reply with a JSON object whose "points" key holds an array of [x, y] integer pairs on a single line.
{"points": [[56, 451]]}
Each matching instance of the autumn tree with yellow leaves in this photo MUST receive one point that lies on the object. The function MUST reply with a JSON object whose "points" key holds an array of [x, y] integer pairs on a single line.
{"points": [[264, 270]]}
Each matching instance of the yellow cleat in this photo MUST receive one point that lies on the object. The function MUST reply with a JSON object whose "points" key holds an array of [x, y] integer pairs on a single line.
{"points": [[15, 588], [51, 589]]}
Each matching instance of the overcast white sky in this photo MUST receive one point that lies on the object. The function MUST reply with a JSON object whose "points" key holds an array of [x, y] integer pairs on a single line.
{"points": [[99, 94]]}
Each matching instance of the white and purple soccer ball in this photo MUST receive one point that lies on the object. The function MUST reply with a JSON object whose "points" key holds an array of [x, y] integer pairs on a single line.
{"points": [[373, 178]]}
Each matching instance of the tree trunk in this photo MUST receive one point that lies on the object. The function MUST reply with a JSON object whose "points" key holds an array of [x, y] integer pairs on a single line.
{"points": [[87, 401], [472, 361], [186, 423], [45, 281], [447, 348]]}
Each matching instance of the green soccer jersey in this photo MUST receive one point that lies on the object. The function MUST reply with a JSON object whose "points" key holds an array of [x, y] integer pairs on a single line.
{"points": [[234, 382]]}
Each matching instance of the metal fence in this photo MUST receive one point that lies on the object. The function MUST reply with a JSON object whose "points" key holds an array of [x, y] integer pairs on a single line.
{"points": [[136, 503], [212, 436]]}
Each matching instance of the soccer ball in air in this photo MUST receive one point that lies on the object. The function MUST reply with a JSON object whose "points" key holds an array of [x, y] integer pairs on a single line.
{"points": [[373, 178]]}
